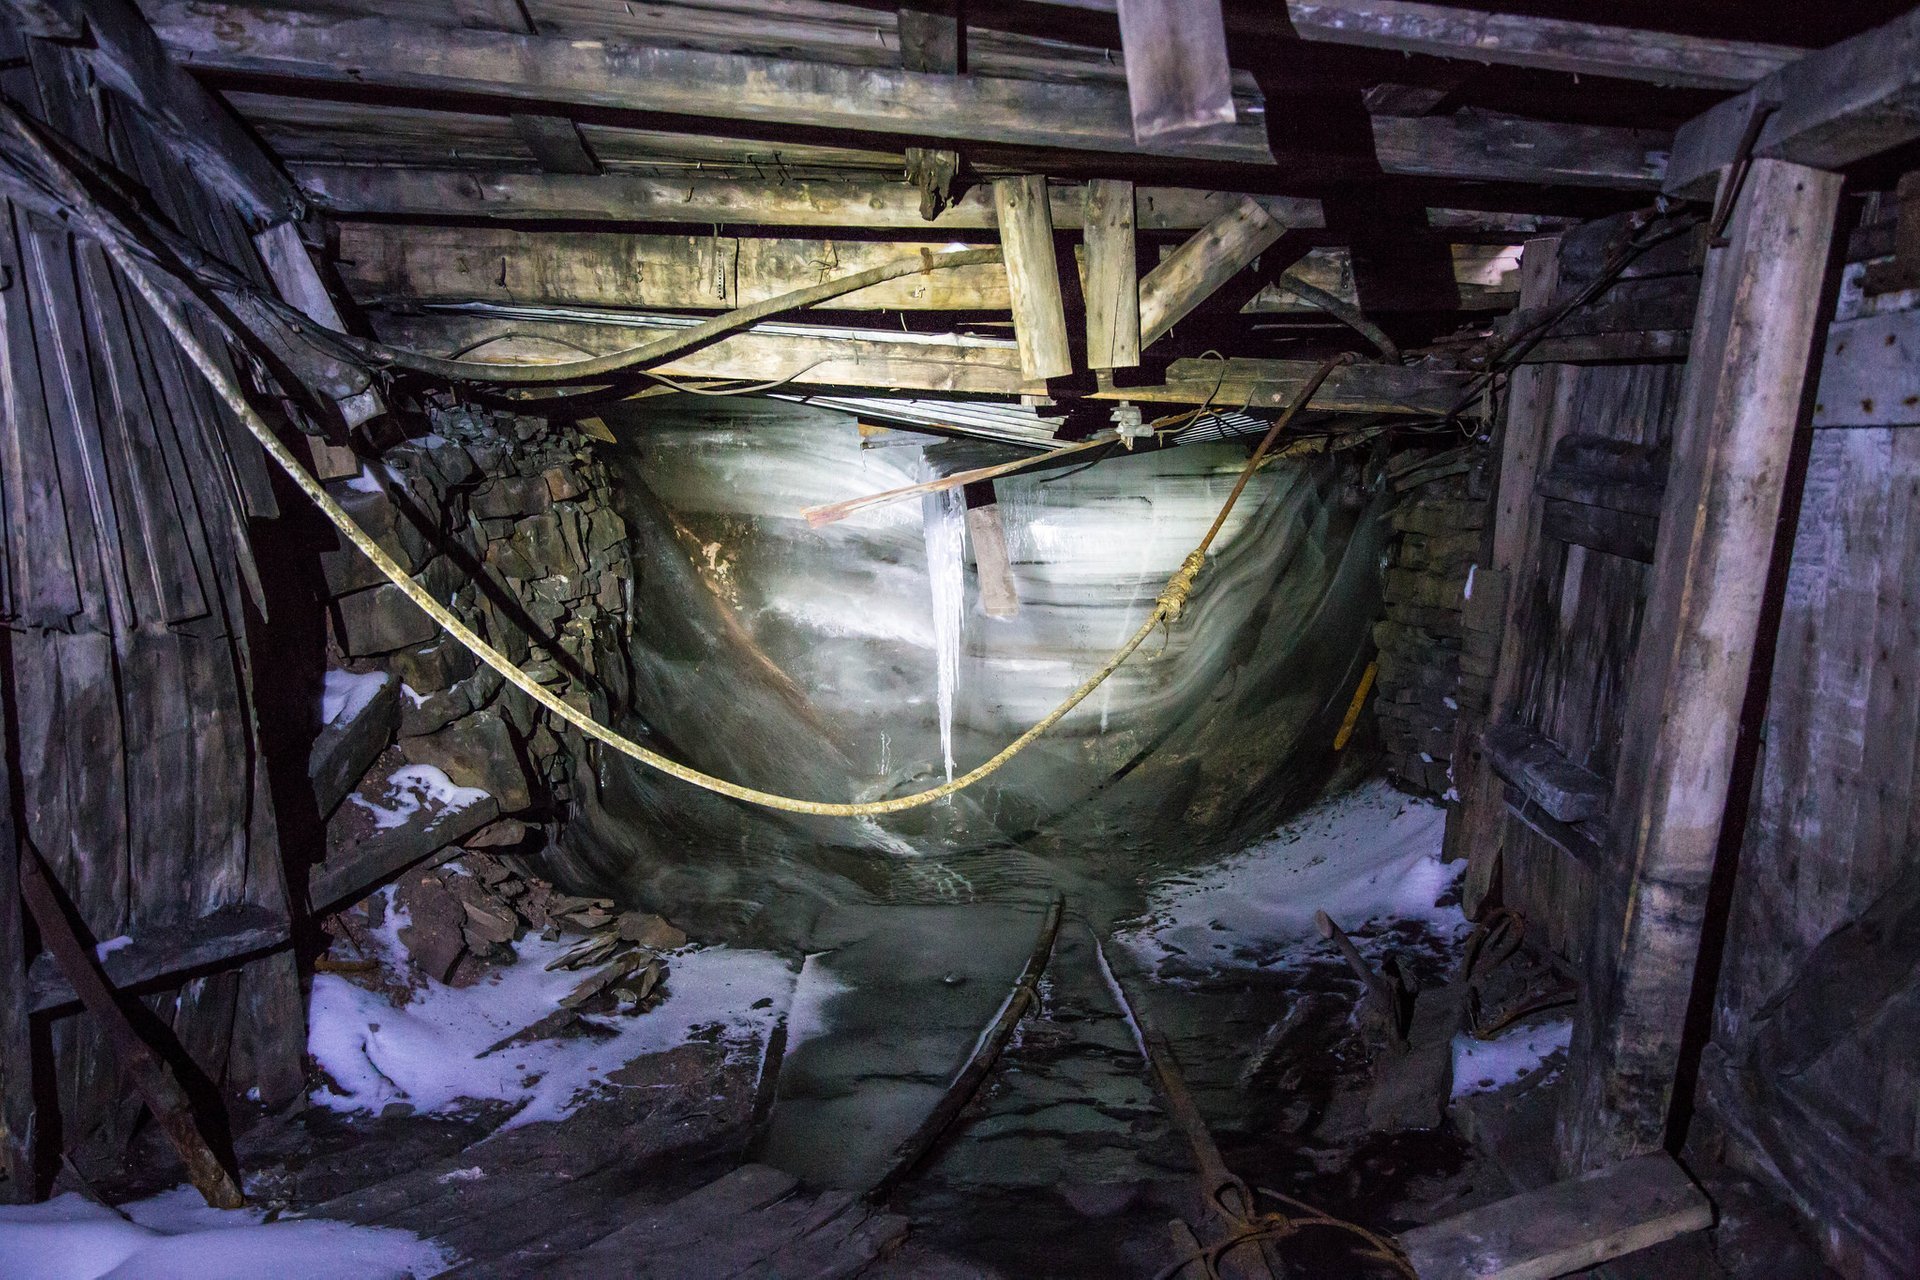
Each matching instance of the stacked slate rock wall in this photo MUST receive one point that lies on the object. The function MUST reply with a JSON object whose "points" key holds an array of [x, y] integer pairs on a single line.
{"points": [[509, 520], [1437, 522]]}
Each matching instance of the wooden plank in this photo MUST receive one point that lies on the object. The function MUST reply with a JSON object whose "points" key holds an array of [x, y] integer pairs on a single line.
{"points": [[353, 872], [222, 937], [1271, 384], [709, 87], [343, 750], [1548, 44], [1511, 39], [999, 595], [380, 263], [1033, 277], [1178, 81], [1582, 843], [1759, 311], [1486, 146], [1617, 474], [950, 366], [1871, 374], [19, 1127], [1475, 826], [1618, 533], [867, 203], [1112, 285], [1189, 275], [1827, 110], [1630, 347], [1563, 1228], [125, 53], [1543, 774], [556, 144]]}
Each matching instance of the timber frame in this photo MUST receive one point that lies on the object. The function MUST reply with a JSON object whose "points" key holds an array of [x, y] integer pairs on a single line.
{"points": [[531, 182]]}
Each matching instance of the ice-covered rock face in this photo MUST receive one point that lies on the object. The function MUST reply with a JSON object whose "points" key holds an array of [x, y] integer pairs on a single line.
{"points": [[809, 661]]}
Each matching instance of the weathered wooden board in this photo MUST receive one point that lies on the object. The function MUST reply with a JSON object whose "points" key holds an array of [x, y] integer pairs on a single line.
{"points": [[711, 87], [1191, 273], [867, 203], [1565, 1227], [1112, 276], [221, 938], [1033, 277], [1757, 320], [1178, 81], [1541, 771]]}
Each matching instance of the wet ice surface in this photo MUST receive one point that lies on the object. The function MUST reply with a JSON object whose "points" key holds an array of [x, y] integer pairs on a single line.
{"points": [[1066, 1166]]}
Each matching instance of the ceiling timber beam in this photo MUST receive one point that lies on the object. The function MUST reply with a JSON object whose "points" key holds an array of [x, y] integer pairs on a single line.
{"points": [[1488, 147], [382, 263], [864, 203], [939, 366], [1842, 104], [1514, 40], [127, 56], [710, 87]]}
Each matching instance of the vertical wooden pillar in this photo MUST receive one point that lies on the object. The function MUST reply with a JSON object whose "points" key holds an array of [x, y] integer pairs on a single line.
{"points": [[1753, 335], [1528, 432], [1033, 277], [1113, 280], [18, 1136], [1179, 83]]}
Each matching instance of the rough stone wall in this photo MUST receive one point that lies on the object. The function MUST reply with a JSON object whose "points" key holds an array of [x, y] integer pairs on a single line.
{"points": [[1437, 538], [509, 519]]}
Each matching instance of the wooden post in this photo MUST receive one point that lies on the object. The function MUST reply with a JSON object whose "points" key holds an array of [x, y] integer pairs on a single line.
{"points": [[1527, 438], [1033, 278], [1113, 281], [1753, 335], [18, 1123], [1214, 255], [1178, 82]]}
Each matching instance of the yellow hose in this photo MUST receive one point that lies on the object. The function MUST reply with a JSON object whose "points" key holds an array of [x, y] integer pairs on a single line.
{"points": [[1172, 599]]}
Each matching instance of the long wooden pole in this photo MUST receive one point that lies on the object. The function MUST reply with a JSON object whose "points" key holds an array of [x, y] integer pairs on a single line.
{"points": [[1754, 331]]}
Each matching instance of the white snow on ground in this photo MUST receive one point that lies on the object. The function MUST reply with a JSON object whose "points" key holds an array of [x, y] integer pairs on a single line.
{"points": [[175, 1236], [345, 694], [1483, 1065], [104, 949], [1368, 854], [424, 1053], [413, 788]]}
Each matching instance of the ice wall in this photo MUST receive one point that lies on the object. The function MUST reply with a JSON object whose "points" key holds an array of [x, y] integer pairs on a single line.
{"points": [[809, 661]]}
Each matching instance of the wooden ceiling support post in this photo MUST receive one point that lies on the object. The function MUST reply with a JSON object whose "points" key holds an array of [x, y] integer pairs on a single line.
{"points": [[1178, 82], [933, 42], [1475, 826], [1113, 277], [1033, 277], [1755, 326], [1214, 255], [19, 1124]]}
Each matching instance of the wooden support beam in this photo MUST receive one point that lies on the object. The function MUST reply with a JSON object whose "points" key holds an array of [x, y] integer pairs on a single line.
{"points": [[1540, 770], [1112, 287], [864, 203], [1758, 317], [1567, 1227], [1511, 40], [1827, 110], [1189, 275], [1178, 82], [298, 283], [351, 873], [1271, 384], [128, 57], [1547, 44], [1489, 147], [1033, 277], [1475, 826], [379, 263], [556, 144], [19, 1121], [708, 87], [343, 750], [224, 937]]}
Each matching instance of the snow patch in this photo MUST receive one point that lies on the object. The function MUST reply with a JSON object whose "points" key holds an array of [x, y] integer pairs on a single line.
{"points": [[346, 694], [415, 696], [414, 788], [175, 1236], [423, 1053], [1370, 854], [1483, 1065], [102, 950], [367, 482]]}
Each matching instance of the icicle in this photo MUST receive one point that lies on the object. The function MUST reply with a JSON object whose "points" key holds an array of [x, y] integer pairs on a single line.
{"points": [[944, 518]]}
